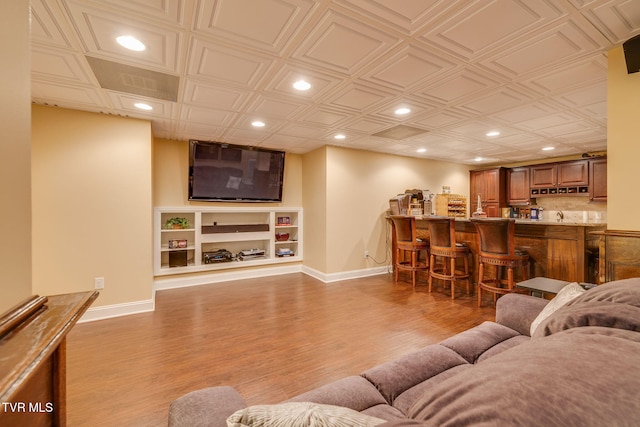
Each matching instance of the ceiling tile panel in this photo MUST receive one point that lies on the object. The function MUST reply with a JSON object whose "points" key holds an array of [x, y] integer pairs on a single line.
{"points": [[559, 44], [342, 44], [616, 19], [227, 65], [579, 73], [167, 11], [324, 117], [268, 106], [99, 28], [59, 65], [405, 16], [502, 99], [213, 96], [410, 66], [459, 85], [358, 98], [206, 116], [126, 102], [66, 95], [263, 24], [46, 24], [321, 82], [483, 26]]}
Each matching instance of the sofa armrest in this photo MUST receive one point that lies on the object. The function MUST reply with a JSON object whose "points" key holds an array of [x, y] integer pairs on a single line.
{"points": [[207, 407], [517, 311]]}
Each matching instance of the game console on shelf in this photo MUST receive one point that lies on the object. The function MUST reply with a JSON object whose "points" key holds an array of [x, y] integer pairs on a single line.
{"points": [[248, 254]]}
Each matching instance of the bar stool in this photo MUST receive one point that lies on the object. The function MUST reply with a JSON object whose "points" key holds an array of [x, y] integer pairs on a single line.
{"points": [[496, 247], [407, 242], [442, 245]]}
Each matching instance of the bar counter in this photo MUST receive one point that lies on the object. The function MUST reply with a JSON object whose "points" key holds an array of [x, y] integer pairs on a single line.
{"points": [[556, 250]]}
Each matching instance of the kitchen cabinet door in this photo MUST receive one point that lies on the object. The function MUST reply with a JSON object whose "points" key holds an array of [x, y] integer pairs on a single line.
{"points": [[573, 173], [544, 175], [598, 180], [518, 186]]}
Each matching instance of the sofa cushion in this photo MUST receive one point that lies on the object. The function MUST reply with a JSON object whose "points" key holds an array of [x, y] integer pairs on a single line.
{"points": [[578, 377], [625, 291], [194, 408], [406, 399], [566, 294], [591, 313], [472, 343], [614, 305], [300, 414], [353, 392], [395, 377]]}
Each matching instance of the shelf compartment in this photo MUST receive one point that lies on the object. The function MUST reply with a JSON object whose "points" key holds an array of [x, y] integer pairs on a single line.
{"points": [[234, 228]]}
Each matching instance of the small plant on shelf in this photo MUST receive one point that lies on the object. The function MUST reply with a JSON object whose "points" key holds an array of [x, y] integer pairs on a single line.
{"points": [[176, 222]]}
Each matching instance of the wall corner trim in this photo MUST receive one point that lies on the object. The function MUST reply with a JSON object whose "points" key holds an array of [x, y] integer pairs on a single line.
{"points": [[117, 310], [344, 275]]}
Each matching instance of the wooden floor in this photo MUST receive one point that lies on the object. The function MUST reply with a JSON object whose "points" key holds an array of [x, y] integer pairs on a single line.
{"points": [[271, 338]]}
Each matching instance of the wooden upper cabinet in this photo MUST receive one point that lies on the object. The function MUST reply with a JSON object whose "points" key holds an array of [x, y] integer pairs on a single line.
{"points": [[490, 185], [566, 174], [544, 175], [598, 180], [573, 173], [518, 192]]}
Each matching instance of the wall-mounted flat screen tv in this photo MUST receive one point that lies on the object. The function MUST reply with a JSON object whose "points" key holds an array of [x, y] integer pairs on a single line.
{"points": [[234, 173]]}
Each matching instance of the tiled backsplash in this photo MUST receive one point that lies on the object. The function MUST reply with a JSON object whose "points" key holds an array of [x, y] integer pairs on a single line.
{"points": [[574, 208]]}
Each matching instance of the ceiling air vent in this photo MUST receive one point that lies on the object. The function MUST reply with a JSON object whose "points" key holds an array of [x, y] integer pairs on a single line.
{"points": [[400, 132], [134, 80]]}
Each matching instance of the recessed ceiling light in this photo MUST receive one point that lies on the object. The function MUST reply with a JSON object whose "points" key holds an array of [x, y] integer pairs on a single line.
{"points": [[339, 136], [478, 159], [143, 106], [257, 124], [421, 150], [493, 133], [302, 85], [548, 148], [131, 43], [402, 111]]}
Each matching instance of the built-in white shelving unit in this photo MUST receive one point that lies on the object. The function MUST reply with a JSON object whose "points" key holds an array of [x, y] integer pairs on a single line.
{"points": [[214, 233]]}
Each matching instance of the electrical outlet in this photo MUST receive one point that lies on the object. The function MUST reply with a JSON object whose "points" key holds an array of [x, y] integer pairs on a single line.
{"points": [[98, 283], [366, 254]]}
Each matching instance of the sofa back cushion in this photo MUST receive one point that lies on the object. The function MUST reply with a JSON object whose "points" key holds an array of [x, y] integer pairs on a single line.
{"points": [[613, 305], [578, 377]]}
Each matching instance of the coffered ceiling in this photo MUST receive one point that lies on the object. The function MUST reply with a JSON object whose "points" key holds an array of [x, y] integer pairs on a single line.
{"points": [[533, 70]]}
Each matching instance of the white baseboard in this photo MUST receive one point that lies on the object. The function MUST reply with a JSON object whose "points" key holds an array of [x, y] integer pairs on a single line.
{"points": [[344, 275], [136, 307], [207, 279], [117, 310]]}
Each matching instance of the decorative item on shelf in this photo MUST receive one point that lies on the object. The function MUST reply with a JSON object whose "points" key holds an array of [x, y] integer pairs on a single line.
{"points": [[176, 223], [214, 257], [283, 220], [479, 213], [281, 237], [178, 243], [284, 252]]}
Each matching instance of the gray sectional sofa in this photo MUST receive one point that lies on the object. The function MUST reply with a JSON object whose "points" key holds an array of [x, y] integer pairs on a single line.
{"points": [[581, 367]]}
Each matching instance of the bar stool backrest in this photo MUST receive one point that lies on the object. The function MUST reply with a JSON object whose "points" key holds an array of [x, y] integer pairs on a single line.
{"points": [[495, 236], [442, 231], [405, 228]]}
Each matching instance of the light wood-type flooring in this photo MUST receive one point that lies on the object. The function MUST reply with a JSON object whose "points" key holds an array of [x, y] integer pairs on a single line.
{"points": [[271, 338]]}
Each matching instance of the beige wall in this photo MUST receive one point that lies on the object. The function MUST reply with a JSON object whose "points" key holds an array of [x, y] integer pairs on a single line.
{"points": [[314, 190], [623, 144], [358, 187], [92, 209], [15, 160]]}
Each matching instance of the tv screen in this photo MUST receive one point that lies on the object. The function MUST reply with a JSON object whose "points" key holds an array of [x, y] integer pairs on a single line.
{"points": [[225, 172]]}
